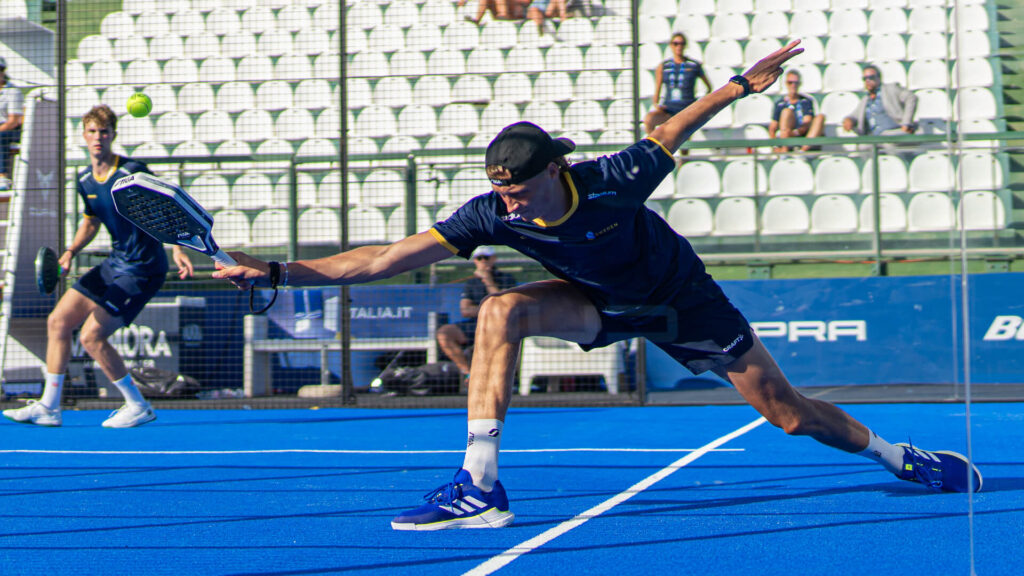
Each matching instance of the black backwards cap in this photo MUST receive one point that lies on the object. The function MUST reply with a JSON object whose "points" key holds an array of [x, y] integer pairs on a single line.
{"points": [[524, 150]]}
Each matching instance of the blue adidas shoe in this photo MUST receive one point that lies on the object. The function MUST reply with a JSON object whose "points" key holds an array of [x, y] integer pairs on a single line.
{"points": [[941, 470], [458, 504]]}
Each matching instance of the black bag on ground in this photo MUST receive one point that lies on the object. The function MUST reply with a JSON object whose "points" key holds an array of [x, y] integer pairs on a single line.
{"points": [[429, 379], [158, 383]]}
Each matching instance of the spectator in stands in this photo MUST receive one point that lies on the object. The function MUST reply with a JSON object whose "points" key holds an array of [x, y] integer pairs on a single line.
{"points": [[502, 9], [109, 295], [622, 272], [539, 10], [794, 115], [675, 82], [487, 279], [12, 114], [886, 109]]}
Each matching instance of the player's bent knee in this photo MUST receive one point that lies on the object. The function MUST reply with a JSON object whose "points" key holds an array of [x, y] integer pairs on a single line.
{"points": [[505, 312]]}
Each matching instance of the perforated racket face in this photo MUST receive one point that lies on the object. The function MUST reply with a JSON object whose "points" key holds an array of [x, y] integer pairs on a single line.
{"points": [[159, 215], [47, 270]]}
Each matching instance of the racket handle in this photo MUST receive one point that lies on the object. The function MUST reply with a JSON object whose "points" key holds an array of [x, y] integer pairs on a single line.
{"points": [[223, 259]]}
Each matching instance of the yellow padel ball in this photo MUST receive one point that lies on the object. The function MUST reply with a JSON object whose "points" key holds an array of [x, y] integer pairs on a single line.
{"points": [[139, 105]]}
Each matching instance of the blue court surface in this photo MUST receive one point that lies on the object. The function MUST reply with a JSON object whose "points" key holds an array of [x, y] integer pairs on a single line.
{"points": [[656, 490]]}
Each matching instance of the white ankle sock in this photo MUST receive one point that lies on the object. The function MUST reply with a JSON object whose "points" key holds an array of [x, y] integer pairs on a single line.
{"points": [[482, 445], [884, 453], [52, 387], [129, 391]]}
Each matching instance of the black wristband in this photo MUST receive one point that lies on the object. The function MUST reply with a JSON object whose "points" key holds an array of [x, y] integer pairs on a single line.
{"points": [[738, 79], [275, 273]]}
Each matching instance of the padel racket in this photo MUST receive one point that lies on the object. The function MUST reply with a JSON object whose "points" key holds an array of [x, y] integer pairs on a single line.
{"points": [[166, 212], [48, 270]]}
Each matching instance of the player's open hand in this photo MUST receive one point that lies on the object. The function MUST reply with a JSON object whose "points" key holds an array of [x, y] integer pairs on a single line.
{"points": [[249, 271], [768, 69], [183, 262]]}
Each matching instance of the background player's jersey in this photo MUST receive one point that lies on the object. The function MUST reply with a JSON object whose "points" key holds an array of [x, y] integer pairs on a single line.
{"points": [[133, 251], [609, 244]]}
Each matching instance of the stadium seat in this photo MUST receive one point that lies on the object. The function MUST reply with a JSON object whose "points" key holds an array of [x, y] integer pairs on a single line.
{"points": [[979, 171], [401, 13], [757, 48], [312, 94], [723, 52], [842, 76], [235, 97], [893, 214], [153, 153], [885, 47], [928, 73], [930, 212], [423, 36], [223, 21], [396, 223], [292, 18], [293, 67], [497, 115], [499, 34], [982, 210], [432, 91], [202, 45], [553, 87], [696, 8], [697, 178], [543, 356], [129, 49], [438, 12], [604, 59], [888, 20], [837, 105], [847, 21], [195, 98], [376, 122], [790, 176], [383, 188], [187, 22], [545, 114], [691, 217], [529, 36], [921, 45], [472, 88], [217, 70], [837, 175], [172, 128], [306, 193], [808, 23], [180, 71], [365, 15], [447, 142], [401, 144], [834, 214], [892, 176], [654, 28], [385, 39], [393, 91], [513, 87], [270, 228], [975, 72], [367, 65], [326, 66], [563, 57], [366, 225], [810, 78], [151, 24], [483, 61], [754, 109], [275, 146], [738, 6], [460, 35], [319, 227], [975, 104], [238, 44], [328, 192], [254, 125], [234, 148], [612, 30], [417, 120], [231, 228], [326, 15], [213, 126], [251, 191], [927, 19], [450, 62], [978, 127], [459, 120], [738, 178], [620, 116], [931, 172], [80, 99], [114, 26], [624, 84], [311, 41], [358, 92], [328, 123], [585, 115], [846, 48], [784, 215], [524, 59], [212, 191], [769, 24], [104, 73], [932, 104], [294, 124], [735, 217], [726, 25], [970, 17], [468, 183], [762, 6]]}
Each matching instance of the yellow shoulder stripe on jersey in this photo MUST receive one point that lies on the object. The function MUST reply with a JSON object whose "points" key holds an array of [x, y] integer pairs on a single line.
{"points": [[437, 236], [662, 146]]}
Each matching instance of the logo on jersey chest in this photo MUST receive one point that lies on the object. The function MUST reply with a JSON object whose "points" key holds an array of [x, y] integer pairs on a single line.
{"points": [[603, 231]]}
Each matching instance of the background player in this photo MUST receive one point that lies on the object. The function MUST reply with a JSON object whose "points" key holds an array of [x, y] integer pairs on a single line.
{"points": [[109, 295], [622, 273]]}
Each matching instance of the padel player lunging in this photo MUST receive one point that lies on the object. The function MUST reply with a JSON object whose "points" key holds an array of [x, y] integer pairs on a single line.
{"points": [[622, 273], [109, 295]]}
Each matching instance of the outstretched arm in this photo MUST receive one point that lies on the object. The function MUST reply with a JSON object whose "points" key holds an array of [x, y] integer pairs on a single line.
{"points": [[680, 127], [357, 266]]}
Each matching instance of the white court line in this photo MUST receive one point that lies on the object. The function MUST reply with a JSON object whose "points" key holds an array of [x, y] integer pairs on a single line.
{"points": [[312, 451], [503, 559]]}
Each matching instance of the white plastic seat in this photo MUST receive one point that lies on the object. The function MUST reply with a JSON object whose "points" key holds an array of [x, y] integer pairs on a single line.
{"points": [[270, 228], [585, 115], [837, 175], [212, 191], [772, 6], [484, 61], [383, 188], [847, 21], [195, 98], [892, 175], [810, 78], [741, 6], [790, 176], [563, 57], [235, 97], [979, 171], [326, 66], [80, 99], [974, 104], [691, 217], [932, 103], [654, 28], [254, 126], [460, 35], [770, 24], [312, 94], [513, 87], [328, 123], [151, 24], [238, 44], [172, 128], [576, 32], [326, 16], [594, 85], [232, 229], [926, 45], [553, 87], [735, 217], [319, 227], [417, 120], [180, 71], [696, 27], [524, 59], [328, 192], [130, 48], [604, 59], [723, 52], [358, 92], [620, 116], [202, 45], [115, 26], [785, 215], [187, 22], [738, 178], [471, 88], [975, 72], [757, 47], [423, 36], [393, 91], [624, 84], [449, 143], [251, 191], [885, 47], [459, 120], [401, 13], [369, 65], [376, 122], [468, 183], [807, 23], [278, 147], [844, 49], [142, 73], [365, 15], [893, 216], [834, 214], [450, 62], [930, 73], [982, 210], [842, 76], [214, 126], [931, 172], [407, 63], [730, 26], [401, 144], [698, 178], [366, 225], [217, 70], [930, 212], [222, 21], [927, 19], [396, 223], [311, 41], [754, 109], [292, 18], [293, 67], [695, 7], [543, 356], [545, 114], [294, 124], [104, 73], [432, 91], [498, 115], [385, 38], [132, 131], [234, 148], [94, 48]]}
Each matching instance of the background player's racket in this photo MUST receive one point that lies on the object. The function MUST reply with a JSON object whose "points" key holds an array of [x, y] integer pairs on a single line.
{"points": [[48, 270], [166, 212]]}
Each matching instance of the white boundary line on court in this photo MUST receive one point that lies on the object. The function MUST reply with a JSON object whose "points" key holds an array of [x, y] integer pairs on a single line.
{"points": [[503, 559], [312, 451]]}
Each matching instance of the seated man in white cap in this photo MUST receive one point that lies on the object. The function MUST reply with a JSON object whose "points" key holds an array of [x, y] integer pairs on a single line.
{"points": [[453, 339]]}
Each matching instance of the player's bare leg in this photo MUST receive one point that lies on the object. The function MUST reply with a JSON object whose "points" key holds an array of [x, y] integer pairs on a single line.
{"points": [[94, 337], [452, 340], [787, 127], [816, 130], [70, 312]]}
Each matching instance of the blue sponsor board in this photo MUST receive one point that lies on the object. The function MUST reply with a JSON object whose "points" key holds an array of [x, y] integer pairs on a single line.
{"points": [[892, 330]]}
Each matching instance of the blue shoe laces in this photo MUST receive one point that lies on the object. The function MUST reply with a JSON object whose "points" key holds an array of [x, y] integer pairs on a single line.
{"points": [[924, 471], [444, 494]]}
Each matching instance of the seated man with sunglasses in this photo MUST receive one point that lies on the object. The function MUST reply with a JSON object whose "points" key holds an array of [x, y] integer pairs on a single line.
{"points": [[886, 109], [793, 115]]}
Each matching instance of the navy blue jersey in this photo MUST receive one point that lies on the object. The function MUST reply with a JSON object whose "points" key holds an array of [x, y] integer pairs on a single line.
{"points": [[609, 244], [679, 81], [132, 250], [802, 108]]}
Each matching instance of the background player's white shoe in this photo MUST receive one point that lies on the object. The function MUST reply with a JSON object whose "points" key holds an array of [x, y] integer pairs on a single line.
{"points": [[35, 413], [130, 416]]}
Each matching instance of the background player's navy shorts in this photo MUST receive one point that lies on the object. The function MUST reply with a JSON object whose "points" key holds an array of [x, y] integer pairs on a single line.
{"points": [[122, 295], [700, 328]]}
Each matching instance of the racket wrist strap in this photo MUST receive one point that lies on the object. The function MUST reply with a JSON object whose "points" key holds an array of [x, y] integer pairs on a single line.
{"points": [[275, 273], [284, 273]]}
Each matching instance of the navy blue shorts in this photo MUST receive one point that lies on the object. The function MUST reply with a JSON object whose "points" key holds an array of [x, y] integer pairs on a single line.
{"points": [[121, 295], [700, 328]]}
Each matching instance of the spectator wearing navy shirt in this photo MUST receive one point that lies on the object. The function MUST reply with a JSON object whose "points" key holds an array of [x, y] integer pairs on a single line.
{"points": [[793, 115], [675, 84]]}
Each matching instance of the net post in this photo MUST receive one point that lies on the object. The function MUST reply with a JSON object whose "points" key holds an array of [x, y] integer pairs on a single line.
{"points": [[255, 364]]}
